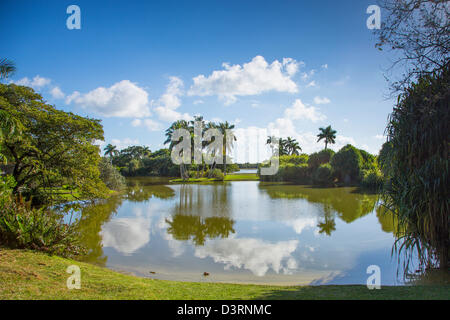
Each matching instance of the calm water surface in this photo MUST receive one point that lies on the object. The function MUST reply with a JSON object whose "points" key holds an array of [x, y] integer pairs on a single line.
{"points": [[243, 232]]}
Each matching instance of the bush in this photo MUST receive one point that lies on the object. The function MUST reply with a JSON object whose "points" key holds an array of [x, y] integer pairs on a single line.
{"points": [[323, 175], [372, 179], [110, 175], [321, 157], [217, 174], [24, 227], [295, 173], [294, 159], [347, 164]]}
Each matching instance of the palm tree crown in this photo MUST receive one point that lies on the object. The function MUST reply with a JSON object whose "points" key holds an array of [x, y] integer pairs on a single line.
{"points": [[327, 134], [7, 68]]}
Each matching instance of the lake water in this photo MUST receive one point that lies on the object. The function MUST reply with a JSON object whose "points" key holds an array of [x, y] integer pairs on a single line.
{"points": [[242, 232]]}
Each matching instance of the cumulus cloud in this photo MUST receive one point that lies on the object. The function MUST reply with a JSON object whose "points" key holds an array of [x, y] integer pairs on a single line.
{"points": [[168, 103], [252, 78], [311, 84], [150, 124], [57, 93], [122, 99], [124, 143], [320, 100], [256, 255], [37, 82], [299, 111], [127, 235]]}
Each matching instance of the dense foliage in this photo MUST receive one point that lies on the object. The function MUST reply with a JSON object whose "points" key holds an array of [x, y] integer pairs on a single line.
{"points": [[49, 148], [417, 160]]}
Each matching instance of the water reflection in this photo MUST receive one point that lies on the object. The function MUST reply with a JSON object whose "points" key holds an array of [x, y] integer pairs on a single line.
{"points": [[239, 232]]}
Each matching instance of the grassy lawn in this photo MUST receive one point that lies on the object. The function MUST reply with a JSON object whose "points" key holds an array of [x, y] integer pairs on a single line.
{"points": [[242, 177], [30, 275]]}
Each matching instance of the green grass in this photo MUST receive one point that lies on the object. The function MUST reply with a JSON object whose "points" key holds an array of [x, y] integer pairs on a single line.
{"points": [[242, 177], [32, 275]]}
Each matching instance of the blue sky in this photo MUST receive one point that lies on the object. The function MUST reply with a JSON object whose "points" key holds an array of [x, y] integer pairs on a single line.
{"points": [[285, 66]]}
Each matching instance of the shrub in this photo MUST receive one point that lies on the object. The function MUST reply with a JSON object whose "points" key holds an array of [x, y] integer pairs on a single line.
{"points": [[295, 173], [372, 179], [321, 157], [24, 227], [217, 174], [347, 164], [294, 159], [110, 175], [323, 175]]}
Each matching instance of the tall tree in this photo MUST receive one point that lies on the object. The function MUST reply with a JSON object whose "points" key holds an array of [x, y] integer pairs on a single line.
{"points": [[179, 124], [328, 135], [53, 148], [225, 129], [111, 151]]}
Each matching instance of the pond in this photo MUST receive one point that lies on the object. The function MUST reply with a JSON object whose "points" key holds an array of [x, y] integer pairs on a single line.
{"points": [[241, 232]]}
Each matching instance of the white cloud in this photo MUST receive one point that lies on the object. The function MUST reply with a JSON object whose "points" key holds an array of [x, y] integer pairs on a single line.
{"points": [[37, 82], [379, 137], [127, 235], [256, 255], [319, 100], [168, 103], [150, 124], [325, 66], [299, 111], [311, 84], [124, 143], [57, 93], [307, 75], [198, 102], [122, 99], [252, 78]]}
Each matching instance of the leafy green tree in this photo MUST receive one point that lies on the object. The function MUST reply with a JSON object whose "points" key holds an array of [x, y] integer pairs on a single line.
{"points": [[417, 191], [328, 135], [110, 175], [347, 164], [318, 158], [54, 148]]}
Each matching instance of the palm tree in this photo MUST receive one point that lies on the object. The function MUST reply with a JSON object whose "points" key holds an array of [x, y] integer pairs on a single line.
{"points": [[328, 134], [198, 148], [228, 140], [292, 146], [179, 124], [283, 148], [110, 151], [7, 68]]}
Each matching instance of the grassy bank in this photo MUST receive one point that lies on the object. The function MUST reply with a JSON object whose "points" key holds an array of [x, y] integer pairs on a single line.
{"points": [[31, 275]]}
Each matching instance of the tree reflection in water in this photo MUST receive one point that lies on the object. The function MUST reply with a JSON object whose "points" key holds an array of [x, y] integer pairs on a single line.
{"points": [[345, 203], [202, 213]]}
